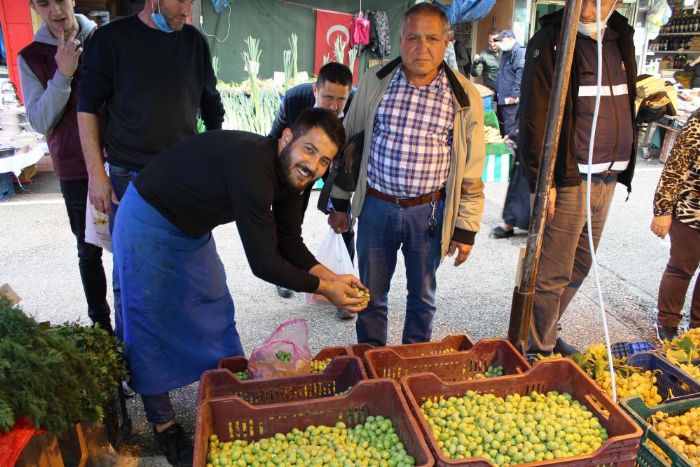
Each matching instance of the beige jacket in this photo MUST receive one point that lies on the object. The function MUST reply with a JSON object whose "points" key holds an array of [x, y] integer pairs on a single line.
{"points": [[464, 203]]}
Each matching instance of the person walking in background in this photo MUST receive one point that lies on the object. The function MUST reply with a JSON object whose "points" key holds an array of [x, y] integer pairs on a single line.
{"points": [[49, 74], [677, 212], [510, 75], [419, 186], [516, 209], [566, 257], [487, 63]]}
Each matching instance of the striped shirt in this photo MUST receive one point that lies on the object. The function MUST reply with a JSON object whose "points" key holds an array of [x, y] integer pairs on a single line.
{"points": [[412, 138]]}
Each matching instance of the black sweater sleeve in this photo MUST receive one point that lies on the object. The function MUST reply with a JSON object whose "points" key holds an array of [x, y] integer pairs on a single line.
{"points": [[96, 86], [211, 107], [283, 260]]}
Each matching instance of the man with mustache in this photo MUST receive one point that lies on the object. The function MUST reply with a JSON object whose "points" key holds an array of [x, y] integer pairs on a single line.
{"points": [[178, 315], [419, 187]]}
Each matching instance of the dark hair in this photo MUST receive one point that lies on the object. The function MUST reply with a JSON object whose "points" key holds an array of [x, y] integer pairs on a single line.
{"points": [[425, 9], [494, 32], [335, 73], [323, 119]]}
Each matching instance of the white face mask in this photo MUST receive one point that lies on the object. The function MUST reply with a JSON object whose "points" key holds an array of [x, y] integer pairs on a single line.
{"points": [[504, 47], [589, 29]]}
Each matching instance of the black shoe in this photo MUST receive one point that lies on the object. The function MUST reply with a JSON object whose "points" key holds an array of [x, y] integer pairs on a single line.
{"points": [[564, 348], [176, 445], [284, 293], [666, 333], [343, 315], [499, 233]]}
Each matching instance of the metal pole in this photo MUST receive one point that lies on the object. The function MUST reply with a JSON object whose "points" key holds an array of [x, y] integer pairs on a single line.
{"points": [[524, 295]]}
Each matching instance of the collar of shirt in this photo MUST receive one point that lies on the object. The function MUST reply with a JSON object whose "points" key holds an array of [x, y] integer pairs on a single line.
{"points": [[438, 84]]}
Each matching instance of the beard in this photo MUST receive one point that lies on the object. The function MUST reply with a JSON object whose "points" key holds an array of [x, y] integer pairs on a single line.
{"points": [[289, 170]]}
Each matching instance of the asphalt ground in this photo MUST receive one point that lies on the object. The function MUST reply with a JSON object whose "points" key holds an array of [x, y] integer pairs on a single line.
{"points": [[38, 258]]}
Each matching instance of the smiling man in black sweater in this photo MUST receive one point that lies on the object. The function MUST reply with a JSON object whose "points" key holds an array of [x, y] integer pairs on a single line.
{"points": [[177, 313]]}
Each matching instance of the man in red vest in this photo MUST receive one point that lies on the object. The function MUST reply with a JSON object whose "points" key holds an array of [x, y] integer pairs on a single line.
{"points": [[49, 75]]}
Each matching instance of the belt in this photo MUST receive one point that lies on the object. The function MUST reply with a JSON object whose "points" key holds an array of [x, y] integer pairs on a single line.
{"points": [[408, 202]]}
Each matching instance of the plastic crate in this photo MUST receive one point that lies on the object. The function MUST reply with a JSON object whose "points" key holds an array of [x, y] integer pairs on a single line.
{"points": [[386, 363], [671, 380], [232, 418], [6, 187], [342, 373], [627, 349], [695, 362], [639, 411], [557, 375], [457, 343], [236, 364]]}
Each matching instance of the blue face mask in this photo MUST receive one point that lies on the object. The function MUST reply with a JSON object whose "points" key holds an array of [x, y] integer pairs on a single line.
{"points": [[160, 22]]}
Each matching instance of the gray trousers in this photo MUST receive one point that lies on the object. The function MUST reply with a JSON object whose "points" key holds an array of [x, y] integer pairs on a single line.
{"points": [[566, 257]]}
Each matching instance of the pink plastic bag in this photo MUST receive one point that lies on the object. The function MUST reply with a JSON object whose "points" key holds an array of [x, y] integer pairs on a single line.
{"points": [[285, 353]]}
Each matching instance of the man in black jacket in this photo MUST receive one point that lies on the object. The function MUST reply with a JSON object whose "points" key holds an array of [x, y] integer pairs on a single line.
{"points": [[566, 258], [331, 91]]}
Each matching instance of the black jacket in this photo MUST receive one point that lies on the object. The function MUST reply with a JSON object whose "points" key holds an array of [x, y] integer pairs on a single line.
{"points": [[537, 79]]}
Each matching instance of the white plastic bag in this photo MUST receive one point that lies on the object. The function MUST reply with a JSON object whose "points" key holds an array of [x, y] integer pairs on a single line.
{"points": [[334, 255], [97, 227]]}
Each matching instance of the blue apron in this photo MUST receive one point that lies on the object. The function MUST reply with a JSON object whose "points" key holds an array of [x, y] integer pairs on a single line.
{"points": [[177, 316]]}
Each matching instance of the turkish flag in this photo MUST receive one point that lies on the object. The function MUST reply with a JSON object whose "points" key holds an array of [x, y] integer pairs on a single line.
{"points": [[330, 26]]}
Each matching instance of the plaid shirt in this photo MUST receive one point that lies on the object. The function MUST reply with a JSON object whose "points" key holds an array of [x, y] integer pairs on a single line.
{"points": [[412, 139]]}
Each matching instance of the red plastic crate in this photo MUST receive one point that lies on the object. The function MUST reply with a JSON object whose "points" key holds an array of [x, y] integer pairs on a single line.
{"points": [[458, 343], [558, 375], [387, 363], [231, 418], [236, 364], [340, 374]]}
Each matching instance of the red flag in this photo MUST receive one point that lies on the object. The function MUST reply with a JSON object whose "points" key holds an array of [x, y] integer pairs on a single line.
{"points": [[330, 26]]}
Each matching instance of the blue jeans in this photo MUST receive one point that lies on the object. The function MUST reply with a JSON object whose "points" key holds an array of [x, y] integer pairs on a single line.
{"points": [[120, 178], [158, 408], [383, 228], [566, 256]]}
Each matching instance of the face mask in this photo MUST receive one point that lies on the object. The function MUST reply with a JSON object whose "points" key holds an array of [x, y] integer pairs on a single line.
{"points": [[503, 47], [160, 22], [589, 29]]}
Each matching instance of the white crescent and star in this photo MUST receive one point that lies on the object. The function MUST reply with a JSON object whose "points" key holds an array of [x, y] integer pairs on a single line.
{"points": [[340, 29]]}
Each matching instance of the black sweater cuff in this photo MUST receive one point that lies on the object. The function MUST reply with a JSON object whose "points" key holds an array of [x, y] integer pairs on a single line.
{"points": [[341, 205], [463, 236]]}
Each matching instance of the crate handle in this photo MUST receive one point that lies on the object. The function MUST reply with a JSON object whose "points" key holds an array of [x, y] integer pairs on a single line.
{"points": [[600, 406]]}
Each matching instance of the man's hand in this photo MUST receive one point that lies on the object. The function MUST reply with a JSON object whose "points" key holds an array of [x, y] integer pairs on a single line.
{"points": [[660, 225], [339, 221], [68, 53], [342, 294], [511, 100], [101, 193], [552, 203], [462, 250]]}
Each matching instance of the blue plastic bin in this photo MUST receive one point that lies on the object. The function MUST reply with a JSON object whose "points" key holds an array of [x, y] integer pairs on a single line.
{"points": [[669, 379], [6, 187], [488, 103], [627, 349]]}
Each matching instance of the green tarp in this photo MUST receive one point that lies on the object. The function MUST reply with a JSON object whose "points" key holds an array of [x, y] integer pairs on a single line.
{"points": [[273, 21]]}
